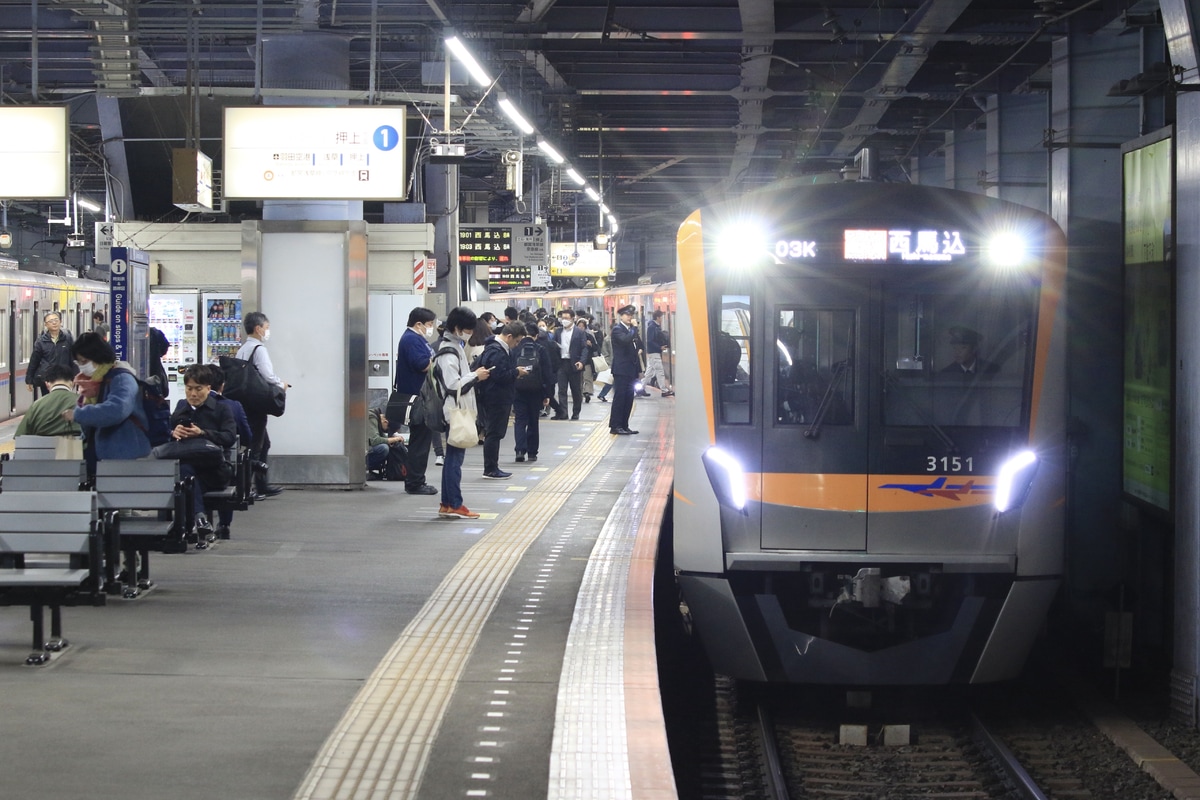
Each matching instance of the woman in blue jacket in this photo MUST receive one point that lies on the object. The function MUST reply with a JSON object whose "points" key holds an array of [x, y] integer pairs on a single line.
{"points": [[110, 403]]}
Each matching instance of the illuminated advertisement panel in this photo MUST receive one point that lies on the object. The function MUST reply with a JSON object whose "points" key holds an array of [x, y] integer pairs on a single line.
{"points": [[33, 152], [348, 153]]}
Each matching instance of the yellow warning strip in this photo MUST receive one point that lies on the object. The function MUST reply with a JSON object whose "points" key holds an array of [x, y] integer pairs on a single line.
{"points": [[382, 744]]}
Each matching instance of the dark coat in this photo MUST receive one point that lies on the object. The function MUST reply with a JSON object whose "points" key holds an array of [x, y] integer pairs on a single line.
{"points": [[213, 417], [625, 345], [575, 348], [47, 352], [548, 379], [500, 388]]}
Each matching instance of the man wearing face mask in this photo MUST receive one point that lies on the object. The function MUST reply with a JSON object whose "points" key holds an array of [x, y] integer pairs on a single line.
{"points": [[258, 331], [413, 357], [572, 341]]}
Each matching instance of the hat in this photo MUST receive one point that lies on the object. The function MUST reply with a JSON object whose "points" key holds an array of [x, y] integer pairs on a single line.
{"points": [[963, 335], [627, 310]]}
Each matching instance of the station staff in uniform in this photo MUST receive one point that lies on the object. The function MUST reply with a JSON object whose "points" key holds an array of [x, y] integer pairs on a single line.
{"points": [[626, 367]]}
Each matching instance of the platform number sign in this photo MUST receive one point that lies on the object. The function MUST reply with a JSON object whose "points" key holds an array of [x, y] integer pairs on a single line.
{"points": [[386, 137]]}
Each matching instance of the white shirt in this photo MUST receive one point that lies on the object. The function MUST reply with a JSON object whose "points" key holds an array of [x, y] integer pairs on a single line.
{"points": [[260, 359]]}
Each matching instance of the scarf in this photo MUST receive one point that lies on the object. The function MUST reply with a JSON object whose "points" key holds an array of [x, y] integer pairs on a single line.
{"points": [[89, 388]]}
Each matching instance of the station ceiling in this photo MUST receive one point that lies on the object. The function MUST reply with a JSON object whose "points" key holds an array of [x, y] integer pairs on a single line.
{"points": [[662, 104]]}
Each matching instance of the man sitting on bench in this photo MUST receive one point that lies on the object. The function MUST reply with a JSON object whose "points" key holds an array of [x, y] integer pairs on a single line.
{"points": [[44, 417], [199, 414]]}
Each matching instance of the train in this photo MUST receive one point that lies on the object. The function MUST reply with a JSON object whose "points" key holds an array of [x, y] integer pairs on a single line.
{"points": [[24, 298], [870, 431], [870, 437]]}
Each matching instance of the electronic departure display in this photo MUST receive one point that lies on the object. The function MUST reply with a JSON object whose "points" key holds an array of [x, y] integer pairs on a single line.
{"points": [[880, 245]]}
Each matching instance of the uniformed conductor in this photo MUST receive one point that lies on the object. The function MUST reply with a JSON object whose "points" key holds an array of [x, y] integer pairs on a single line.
{"points": [[626, 367]]}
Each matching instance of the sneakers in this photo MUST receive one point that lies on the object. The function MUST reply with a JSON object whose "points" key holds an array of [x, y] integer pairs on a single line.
{"points": [[602, 398], [533, 458], [669, 393], [462, 512], [497, 475], [439, 461], [520, 456]]}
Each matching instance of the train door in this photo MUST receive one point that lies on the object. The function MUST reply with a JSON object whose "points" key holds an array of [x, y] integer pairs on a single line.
{"points": [[8, 351], [814, 411], [23, 337]]}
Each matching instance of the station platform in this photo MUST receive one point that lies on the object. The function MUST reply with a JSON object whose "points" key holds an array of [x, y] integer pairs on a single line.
{"points": [[350, 644]]}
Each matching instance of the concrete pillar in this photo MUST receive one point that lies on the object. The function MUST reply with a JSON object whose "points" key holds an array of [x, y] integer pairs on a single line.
{"points": [[965, 154], [1016, 160], [1186, 666], [1088, 128]]}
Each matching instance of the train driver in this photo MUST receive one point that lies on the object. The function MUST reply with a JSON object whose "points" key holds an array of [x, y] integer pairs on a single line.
{"points": [[964, 348]]}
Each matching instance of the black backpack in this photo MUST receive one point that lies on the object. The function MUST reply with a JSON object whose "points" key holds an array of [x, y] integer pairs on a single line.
{"points": [[528, 357], [433, 396], [155, 406]]}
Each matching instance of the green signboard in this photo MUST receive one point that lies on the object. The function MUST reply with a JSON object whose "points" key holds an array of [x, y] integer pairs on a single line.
{"points": [[1149, 323]]}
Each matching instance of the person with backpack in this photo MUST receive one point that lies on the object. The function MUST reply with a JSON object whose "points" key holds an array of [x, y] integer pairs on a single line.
{"points": [[109, 408], [254, 350], [456, 382], [534, 389], [413, 359], [497, 394]]}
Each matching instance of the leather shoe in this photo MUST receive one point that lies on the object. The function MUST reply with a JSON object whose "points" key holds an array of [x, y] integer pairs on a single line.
{"points": [[559, 416], [423, 489], [621, 431], [269, 491]]}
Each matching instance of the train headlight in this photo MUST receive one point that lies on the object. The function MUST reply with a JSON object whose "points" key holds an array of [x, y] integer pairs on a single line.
{"points": [[727, 477], [739, 242], [1016, 478], [1008, 249]]}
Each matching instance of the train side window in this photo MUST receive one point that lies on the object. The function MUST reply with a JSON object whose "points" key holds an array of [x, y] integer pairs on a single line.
{"points": [[4, 338], [731, 351], [26, 333], [813, 366]]}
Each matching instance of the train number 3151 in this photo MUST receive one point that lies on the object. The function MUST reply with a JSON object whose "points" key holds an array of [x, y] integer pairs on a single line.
{"points": [[949, 464]]}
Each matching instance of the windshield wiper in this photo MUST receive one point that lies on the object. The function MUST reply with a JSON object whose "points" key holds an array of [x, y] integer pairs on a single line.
{"points": [[840, 370], [890, 381]]}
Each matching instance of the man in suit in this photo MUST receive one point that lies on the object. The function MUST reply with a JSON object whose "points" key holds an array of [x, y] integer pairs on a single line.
{"points": [[572, 341], [626, 367]]}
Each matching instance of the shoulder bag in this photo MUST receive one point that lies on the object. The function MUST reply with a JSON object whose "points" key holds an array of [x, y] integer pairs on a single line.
{"points": [[244, 383], [196, 450], [460, 428]]}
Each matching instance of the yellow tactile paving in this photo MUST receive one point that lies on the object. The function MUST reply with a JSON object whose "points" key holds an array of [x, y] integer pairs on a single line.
{"points": [[380, 747]]}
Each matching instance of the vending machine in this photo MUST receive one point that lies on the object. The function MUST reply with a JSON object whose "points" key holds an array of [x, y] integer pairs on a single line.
{"points": [[222, 313], [175, 315]]}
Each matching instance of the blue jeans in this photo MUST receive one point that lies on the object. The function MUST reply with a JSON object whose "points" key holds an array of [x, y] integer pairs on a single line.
{"points": [[377, 456], [452, 476]]}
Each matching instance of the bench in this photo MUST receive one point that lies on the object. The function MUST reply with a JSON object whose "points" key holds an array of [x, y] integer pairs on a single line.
{"points": [[28, 474], [153, 511], [37, 447], [239, 494], [51, 554]]}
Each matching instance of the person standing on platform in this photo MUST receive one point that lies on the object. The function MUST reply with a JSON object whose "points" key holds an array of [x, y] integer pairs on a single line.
{"points": [[413, 359], [497, 394], [626, 367], [458, 381], [656, 342], [534, 390], [52, 347], [572, 341], [254, 350]]}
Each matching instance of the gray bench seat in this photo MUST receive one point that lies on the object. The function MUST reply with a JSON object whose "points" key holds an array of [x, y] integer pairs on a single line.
{"points": [[151, 504]]}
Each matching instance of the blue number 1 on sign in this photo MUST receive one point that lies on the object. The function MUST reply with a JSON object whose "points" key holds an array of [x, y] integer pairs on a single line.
{"points": [[386, 137]]}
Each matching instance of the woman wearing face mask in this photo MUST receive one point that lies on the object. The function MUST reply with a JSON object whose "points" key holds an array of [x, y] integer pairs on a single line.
{"points": [[455, 372], [110, 403]]}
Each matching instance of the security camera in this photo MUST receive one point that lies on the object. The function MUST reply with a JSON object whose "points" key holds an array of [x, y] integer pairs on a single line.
{"points": [[511, 158]]}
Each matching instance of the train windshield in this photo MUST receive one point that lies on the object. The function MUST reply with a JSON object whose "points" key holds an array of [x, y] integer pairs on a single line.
{"points": [[957, 359]]}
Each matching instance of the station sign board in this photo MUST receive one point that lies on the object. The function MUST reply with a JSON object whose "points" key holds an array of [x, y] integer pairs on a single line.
{"points": [[286, 153], [516, 255]]}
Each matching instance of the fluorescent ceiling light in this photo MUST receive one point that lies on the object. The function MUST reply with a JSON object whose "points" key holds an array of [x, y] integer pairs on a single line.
{"points": [[89, 205], [575, 176], [604, 209], [550, 152], [590, 192], [612, 224], [464, 55], [512, 113]]}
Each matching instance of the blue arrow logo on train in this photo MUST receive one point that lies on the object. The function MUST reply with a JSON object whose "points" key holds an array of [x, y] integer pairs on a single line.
{"points": [[939, 488]]}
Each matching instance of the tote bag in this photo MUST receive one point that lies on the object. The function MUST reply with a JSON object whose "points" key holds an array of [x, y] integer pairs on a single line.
{"points": [[460, 421], [244, 383]]}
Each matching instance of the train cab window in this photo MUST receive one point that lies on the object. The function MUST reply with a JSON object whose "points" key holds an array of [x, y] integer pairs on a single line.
{"points": [[814, 381], [959, 359], [731, 354]]}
